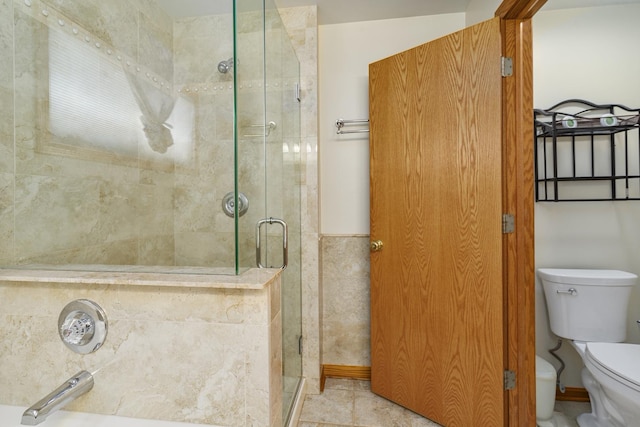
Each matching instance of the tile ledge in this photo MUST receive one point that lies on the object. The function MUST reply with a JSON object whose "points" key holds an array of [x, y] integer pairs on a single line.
{"points": [[254, 278]]}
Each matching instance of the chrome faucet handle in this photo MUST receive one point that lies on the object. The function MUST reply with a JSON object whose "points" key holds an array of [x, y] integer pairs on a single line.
{"points": [[82, 326], [77, 329]]}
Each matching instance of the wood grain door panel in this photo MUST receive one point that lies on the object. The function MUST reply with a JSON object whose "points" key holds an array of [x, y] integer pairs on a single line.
{"points": [[437, 322]]}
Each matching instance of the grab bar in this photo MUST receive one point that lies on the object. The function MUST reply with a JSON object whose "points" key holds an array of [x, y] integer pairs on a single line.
{"points": [[340, 123], [285, 245]]}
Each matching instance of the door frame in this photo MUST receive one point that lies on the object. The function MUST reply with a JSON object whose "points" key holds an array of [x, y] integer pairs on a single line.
{"points": [[518, 186]]}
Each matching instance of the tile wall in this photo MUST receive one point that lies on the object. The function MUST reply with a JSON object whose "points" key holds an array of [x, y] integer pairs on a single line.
{"points": [[112, 195], [302, 26], [194, 354], [57, 184], [345, 300]]}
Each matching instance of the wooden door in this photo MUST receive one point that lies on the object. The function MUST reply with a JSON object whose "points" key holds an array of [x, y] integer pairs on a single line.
{"points": [[437, 318]]}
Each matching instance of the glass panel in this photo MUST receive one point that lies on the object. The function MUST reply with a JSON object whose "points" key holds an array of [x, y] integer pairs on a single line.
{"points": [[124, 137], [250, 124], [125, 129], [268, 145], [203, 64], [283, 188]]}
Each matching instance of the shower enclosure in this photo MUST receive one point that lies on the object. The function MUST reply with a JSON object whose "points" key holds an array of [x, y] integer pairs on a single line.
{"points": [[148, 136]]}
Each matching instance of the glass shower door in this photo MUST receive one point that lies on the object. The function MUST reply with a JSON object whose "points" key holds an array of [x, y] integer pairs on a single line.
{"points": [[268, 166], [283, 190]]}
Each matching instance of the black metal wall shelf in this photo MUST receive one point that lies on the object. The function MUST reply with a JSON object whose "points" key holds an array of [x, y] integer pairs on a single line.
{"points": [[587, 152]]}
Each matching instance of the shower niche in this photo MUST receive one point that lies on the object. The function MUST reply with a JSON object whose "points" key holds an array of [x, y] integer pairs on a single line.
{"points": [[587, 152]]}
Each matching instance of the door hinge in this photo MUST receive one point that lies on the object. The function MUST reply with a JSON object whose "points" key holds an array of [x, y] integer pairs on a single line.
{"points": [[300, 344], [297, 93], [508, 224], [506, 65], [509, 380]]}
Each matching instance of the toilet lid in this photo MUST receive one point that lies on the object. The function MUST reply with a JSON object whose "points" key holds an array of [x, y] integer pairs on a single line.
{"points": [[619, 359]]}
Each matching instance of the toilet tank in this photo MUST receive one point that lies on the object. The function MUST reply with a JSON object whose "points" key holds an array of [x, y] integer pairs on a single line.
{"points": [[587, 305]]}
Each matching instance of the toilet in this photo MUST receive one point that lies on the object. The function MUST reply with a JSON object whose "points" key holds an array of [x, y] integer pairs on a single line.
{"points": [[589, 308], [545, 393]]}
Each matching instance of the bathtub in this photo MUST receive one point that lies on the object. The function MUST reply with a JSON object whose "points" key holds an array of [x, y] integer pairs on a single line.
{"points": [[10, 416]]}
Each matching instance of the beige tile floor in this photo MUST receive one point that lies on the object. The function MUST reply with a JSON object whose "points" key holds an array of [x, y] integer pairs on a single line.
{"points": [[351, 403], [566, 413]]}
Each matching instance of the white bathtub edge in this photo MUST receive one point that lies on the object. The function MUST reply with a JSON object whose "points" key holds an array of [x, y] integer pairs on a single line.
{"points": [[10, 416]]}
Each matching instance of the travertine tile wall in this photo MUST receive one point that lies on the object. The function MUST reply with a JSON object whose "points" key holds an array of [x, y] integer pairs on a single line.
{"points": [[204, 235], [110, 210], [192, 239], [201, 355], [6, 131], [345, 300], [72, 206]]}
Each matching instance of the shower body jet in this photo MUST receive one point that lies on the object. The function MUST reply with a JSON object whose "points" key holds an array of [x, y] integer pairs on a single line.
{"points": [[225, 66]]}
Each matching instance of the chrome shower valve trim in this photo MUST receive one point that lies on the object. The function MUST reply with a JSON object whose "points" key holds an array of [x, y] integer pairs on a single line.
{"points": [[82, 326]]}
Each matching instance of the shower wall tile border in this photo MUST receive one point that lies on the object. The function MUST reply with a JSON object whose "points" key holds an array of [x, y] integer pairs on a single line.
{"points": [[252, 279]]}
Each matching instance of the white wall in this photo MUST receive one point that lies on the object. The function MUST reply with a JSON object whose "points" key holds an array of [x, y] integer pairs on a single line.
{"points": [[587, 53], [481, 10], [578, 53], [345, 51]]}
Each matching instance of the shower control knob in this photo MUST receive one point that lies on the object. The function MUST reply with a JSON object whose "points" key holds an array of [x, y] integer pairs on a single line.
{"points": [[376, 246], [229, 204], [82, 326], [77, 329]]}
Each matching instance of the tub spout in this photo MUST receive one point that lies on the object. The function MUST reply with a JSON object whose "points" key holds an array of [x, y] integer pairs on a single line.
{"points": [[73, 388]]}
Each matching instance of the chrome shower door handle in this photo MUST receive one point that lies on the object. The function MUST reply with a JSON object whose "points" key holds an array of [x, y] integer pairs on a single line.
{"points": [[285, 243]]}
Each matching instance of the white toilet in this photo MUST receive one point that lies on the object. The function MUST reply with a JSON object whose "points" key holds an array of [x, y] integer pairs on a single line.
{"points": [[589, 307]]}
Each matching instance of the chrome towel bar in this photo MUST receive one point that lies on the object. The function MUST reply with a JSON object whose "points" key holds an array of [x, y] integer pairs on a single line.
{"points": [[340, 123]]}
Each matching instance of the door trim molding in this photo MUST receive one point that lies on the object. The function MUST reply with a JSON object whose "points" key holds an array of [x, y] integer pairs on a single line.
{"points": [[518, 179], [519, 9], [518, 252]]}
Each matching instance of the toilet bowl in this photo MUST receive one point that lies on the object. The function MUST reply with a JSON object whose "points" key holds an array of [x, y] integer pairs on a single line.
{"points": [[614, 368], [545, 393], [589, 308]]}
